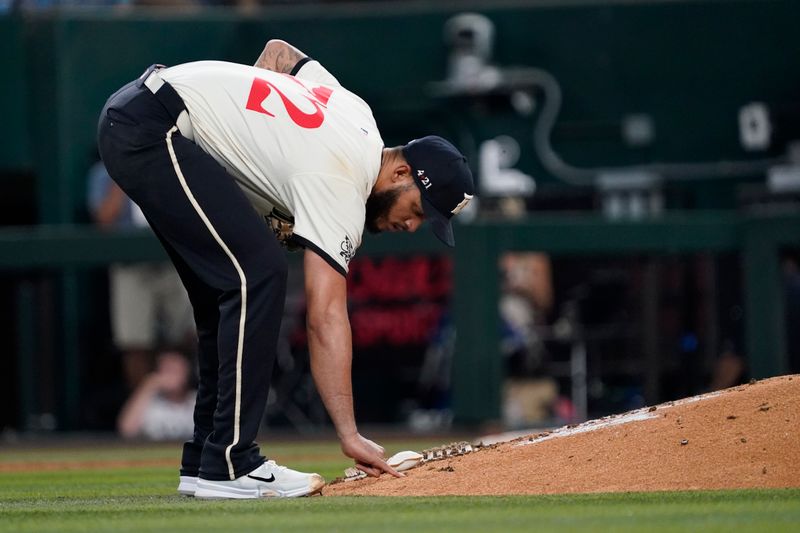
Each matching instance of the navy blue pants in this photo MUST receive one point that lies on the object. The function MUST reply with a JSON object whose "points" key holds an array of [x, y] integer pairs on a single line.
{"points": [[233, 268]]}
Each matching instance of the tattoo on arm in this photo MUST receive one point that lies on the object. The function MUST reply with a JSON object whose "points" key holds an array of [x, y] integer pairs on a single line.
{"points": [[279, 56]]}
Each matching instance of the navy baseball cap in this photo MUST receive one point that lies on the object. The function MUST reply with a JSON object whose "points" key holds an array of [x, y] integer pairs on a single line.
{"points": [[442, 175]]}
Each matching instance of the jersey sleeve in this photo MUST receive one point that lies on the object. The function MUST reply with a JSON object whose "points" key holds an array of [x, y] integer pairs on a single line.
{"points": [[311, 70], [328, 217]]}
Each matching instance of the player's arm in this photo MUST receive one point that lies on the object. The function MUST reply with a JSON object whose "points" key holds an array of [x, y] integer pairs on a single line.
{"points": [[279, 56], [110, 207], [330, 344]]}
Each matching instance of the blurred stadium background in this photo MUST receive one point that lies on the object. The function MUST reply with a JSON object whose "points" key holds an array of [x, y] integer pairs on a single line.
{"points": [[639, 169]]}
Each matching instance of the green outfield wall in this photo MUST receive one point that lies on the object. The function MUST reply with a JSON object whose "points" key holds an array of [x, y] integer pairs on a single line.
{"points": [[688, 65]]}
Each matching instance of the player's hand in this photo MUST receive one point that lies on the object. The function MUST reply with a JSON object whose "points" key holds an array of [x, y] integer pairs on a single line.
{"points": [[369, 457]]}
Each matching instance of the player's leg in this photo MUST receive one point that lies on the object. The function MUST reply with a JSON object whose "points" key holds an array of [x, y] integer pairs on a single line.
{"points": [[200, 210], [250, 313], [205, 308], [230, 248]]}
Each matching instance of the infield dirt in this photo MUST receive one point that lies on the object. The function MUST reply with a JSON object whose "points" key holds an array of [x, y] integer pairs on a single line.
{"points": [[743, 437]]}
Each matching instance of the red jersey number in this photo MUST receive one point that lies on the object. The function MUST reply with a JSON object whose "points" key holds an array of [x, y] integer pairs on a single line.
{"points": [[318, 96]]}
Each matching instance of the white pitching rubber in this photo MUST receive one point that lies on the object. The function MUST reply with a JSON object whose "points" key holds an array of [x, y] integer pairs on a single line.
{"points": [[404, 460]]}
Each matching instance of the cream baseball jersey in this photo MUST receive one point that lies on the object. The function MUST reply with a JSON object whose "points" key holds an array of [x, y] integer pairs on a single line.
{"points": [[303, 144]]}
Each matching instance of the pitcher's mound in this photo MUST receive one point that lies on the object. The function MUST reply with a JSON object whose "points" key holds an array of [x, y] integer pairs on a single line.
{"points": [[743, 437]]}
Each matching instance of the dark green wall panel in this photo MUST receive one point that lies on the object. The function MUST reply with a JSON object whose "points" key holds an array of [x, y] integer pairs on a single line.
{"points": [[690, 65], [15, 151]]}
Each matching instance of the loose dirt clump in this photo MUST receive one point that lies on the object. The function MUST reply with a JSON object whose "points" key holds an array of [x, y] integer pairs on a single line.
{"points": [[743, 437]]}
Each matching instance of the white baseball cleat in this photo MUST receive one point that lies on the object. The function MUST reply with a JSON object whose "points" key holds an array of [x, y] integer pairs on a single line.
{"points": [[269, 480], [187, 485]]}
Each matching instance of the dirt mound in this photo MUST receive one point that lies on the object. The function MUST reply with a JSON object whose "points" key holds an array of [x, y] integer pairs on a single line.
{"points": [[743, 437]]}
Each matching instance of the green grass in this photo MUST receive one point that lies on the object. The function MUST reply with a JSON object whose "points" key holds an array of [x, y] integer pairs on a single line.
{"points": [[85, 495]]}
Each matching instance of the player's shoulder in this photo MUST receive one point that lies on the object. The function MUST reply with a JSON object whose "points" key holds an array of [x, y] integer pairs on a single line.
{"points": [[207, 65], [311, 70]]}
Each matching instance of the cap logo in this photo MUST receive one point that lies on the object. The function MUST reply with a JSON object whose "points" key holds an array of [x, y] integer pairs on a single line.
{"points": [[462, 204], [426, 182]]}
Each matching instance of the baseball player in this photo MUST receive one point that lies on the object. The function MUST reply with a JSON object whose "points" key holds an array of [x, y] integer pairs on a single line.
{"points": [[228, 163]]}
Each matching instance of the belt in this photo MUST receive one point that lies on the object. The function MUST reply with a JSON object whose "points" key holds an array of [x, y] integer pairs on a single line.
{"points": [[168, 97]]}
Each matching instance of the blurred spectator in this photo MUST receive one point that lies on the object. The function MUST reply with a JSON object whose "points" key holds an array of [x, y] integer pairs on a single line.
{"points": [[162, 406], [730, 369], [526, 298], [149, 306]]}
